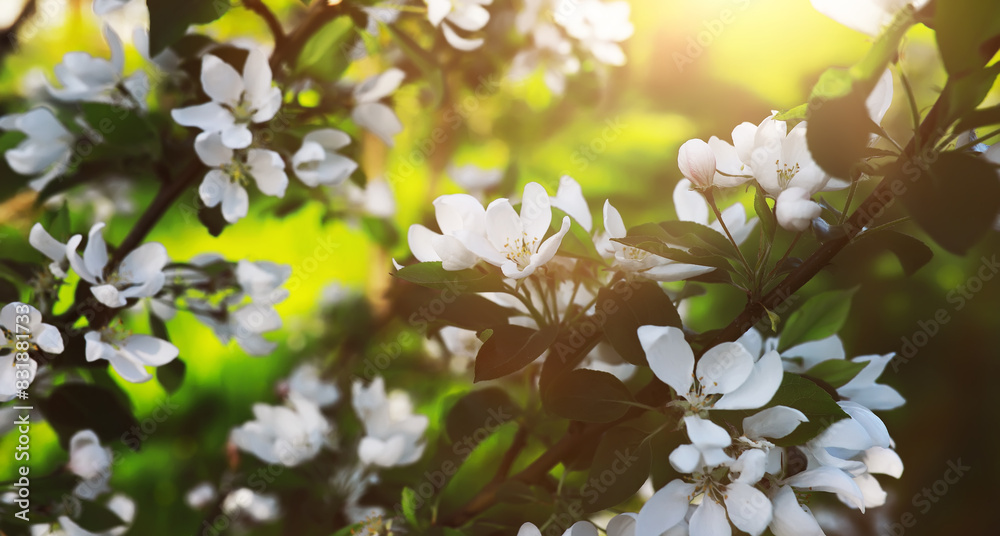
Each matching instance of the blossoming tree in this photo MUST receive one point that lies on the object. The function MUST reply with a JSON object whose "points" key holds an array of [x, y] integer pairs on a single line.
{"points": [[545, 376]]}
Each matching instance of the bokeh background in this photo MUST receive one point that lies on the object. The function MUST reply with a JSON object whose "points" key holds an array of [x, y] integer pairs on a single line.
{"points": [[696, 68]]}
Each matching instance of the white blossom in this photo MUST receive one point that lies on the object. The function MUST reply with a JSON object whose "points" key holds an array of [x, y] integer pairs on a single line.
{"points": [[230, 172], [370, 113], [317, 161], [91, 462], [129, 354], [468, 15], [237, 100], [306, 382], [45, 152], [866, 16], [140, 274], [393, 434], [281, 434], [599, 26], [83, 77]]}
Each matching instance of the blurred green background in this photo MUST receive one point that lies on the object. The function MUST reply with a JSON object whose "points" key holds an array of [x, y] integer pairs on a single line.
{"points": [[766, 57]]}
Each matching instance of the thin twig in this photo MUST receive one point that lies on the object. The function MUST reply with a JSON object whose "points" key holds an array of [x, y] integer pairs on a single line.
{"points": [[258, 7]]}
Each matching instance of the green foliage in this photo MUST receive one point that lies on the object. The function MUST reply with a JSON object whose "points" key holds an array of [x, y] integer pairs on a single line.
{"points": [[588, 395], [630, 305], [78, 406], [836, 372], [170, 19], [819, 317], [955, 199], [433, 275], [620, 467], [510, 349]]}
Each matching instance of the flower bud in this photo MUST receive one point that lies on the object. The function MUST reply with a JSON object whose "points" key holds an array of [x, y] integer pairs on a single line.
{"points": [[697, 163], [795, 209]]}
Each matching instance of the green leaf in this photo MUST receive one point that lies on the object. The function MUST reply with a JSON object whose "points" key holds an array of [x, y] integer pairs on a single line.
{"points": [[955, 199], [836, 372], [620, 467], [96, 517], [409, 501], [426, 63], [510, 349], [911, 252], [576, 243], [964, 93], [630, 305], [657, 247], [818, 318], [968, 33], [979, 118], [122, 127], [14, 245], [171, 375], [588, 395], [79, 406], [768, 221], [433, 275], [705, 236], [170, 19], [326, 53], [212, 218], [482, 409]]}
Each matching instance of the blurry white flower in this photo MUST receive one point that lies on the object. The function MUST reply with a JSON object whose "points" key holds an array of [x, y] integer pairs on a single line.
{"points": [[317, 161], [246, 325], [140, 274], [261, 508], [866, 16], [129, 354], [551, 51], [83, 77], [103, 7], [393, 434], [282, 434], [40, 334], [200, 496], [307, 383], [463, 345], [237, 101], [369, 112], [119, 504], [91, 462], [599, 26], [262, 280], [474, 179], [375, 199], [47, 149], [514, 242], [225, 182], [469, 15]]}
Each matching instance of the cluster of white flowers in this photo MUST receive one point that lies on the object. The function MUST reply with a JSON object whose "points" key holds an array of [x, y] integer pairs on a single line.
{"points": [[594, 27], [775, 156]]}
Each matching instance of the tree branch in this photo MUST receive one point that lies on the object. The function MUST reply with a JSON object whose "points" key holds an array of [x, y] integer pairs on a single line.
{"points": [[258, 7]]}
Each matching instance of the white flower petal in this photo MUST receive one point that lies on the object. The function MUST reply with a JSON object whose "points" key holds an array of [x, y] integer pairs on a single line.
{"points": [[669, 355]]}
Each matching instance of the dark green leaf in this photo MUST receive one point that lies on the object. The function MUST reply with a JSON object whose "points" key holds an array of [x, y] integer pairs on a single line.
{"points": [[588, 395], [965, 93], [97, 518], [510, 349], [818, 318], [483, 409], [836, 372], [409, 500], [78, 406], [433, 275], [968, 33], [171, 375], [764, 213], [170, 19], [911, 252], [122, 127], [620, 467], [630, 305], [14, 245], [212, 218], [955, 199]]}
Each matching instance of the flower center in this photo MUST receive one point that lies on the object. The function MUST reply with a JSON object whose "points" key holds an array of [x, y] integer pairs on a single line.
{"points": [[520, 251], [243, 113], [786, 173], [115, 334], [634, 254], [237, 171]]}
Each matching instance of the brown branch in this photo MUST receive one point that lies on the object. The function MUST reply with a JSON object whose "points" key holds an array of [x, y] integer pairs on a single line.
{"points": [[258, 7], [516, 446]]}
